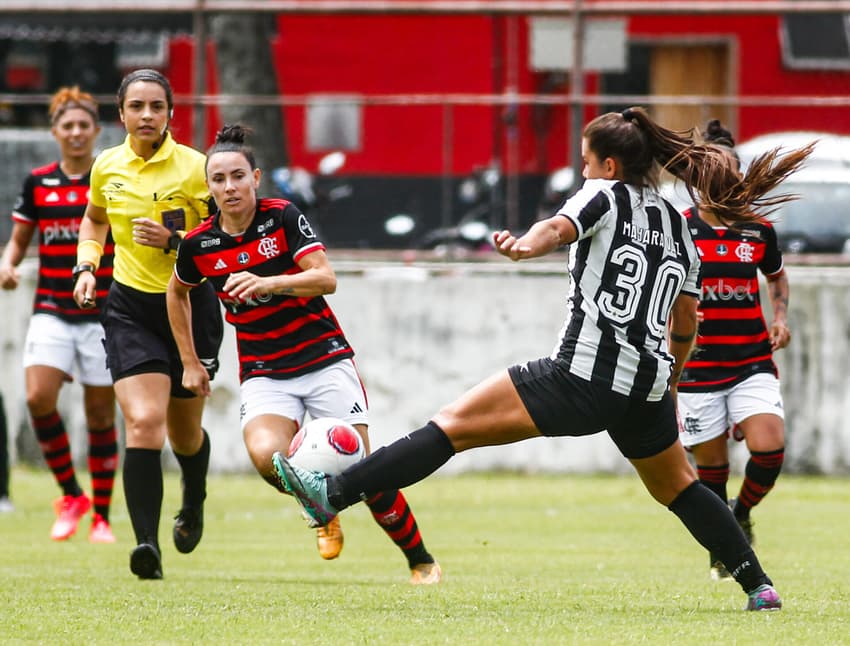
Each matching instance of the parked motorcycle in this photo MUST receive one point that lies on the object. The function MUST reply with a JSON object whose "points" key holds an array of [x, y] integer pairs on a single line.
{"points": [[310, 192], [481, 197]]}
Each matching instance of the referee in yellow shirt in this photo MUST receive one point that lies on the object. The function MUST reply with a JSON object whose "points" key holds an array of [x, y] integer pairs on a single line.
{"points": [[150, 190]]}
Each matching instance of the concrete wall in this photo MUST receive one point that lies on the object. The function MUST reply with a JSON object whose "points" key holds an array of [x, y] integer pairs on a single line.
{"points": [[424, 335]]}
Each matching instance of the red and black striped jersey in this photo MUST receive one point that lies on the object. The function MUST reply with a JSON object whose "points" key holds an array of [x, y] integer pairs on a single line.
{"points": [[55, 203], [277, 336], [732, 341]]}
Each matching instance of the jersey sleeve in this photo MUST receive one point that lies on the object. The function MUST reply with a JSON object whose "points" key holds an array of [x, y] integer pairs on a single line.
{"points": [[96, 195], [198, 192], [693, 280], [300, 236], [185, 268], [590, 208], [24, 209], [771, 263]]}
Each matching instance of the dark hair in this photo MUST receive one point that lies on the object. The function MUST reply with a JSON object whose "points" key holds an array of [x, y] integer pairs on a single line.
{"points": [[716, 133], [643, 147], [145, 75], [68, 98], [231, 139]]}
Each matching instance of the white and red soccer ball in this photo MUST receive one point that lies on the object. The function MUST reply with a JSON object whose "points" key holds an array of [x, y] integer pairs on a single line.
{"points": [[326, 444]]}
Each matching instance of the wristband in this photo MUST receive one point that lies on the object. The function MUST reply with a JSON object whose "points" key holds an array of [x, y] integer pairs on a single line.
{"points": [[89, 251], [173, 242]]}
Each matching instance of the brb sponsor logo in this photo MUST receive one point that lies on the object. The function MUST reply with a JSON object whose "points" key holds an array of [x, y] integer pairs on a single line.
{"points": [[56, 233], [722, 291]]}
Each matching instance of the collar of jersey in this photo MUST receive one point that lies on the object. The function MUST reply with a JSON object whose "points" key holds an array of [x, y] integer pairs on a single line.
{"points": [[164, 151]]}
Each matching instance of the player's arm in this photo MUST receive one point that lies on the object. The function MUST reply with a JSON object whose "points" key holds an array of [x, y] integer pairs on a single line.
{"points": [[94, 228], [316, 278], [14, 253], [195, 376], [542, 238], [777, 292], [682, 332]]}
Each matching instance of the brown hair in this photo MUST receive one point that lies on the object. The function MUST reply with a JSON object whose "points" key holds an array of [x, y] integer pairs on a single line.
{"points": [[643, 148], [231, 139], [68, 98]]}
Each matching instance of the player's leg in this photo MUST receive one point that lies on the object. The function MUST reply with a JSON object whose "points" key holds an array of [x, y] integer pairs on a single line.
{"points": [[670, 479], [704, 419], [191, 446], [102, 457], [490, 413], [48, 362], [756, 407], [99, 402]]}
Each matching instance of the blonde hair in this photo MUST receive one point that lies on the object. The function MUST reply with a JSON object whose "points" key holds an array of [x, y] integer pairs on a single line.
{"points": [[68, 98]]}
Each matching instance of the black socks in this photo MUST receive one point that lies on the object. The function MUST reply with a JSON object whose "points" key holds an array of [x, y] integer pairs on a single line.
{"points": [[401, 464]]}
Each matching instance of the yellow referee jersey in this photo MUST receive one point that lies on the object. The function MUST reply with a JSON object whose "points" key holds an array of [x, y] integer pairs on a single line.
{"points": [[169, 188]]}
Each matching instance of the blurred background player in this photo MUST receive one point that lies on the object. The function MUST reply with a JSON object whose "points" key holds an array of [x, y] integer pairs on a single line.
{"points": [[271, 272], [62, 338], [632, 322], [731, 382], [148, 190], [6, 505]]}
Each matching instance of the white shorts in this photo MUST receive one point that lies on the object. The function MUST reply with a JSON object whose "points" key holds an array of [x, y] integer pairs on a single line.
{"points": [[705, 416], [334, 391], [74, 348]]}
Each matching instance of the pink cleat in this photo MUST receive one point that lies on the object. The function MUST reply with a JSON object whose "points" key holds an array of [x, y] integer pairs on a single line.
{"points": [[69, 511], [100, 531]]}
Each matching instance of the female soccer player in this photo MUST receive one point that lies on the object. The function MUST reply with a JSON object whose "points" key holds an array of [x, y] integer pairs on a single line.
{"points": [[271, 273], [62, 339], [731, 379], [149, 190], [634, 268]]}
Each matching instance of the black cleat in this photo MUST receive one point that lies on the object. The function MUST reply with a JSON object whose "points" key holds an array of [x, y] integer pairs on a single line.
{"points": [[188, 528], [145, 562]]}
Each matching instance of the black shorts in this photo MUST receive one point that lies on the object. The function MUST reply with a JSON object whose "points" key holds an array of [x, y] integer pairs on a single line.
{"points": [[138, 335], [561, 403]]}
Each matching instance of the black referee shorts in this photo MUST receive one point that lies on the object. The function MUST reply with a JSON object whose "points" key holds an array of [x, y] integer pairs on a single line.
{"points": [[562, 404], [138, 335]]}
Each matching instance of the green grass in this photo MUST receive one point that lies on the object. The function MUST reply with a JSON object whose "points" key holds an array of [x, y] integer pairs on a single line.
{"points": [[527, 560]]}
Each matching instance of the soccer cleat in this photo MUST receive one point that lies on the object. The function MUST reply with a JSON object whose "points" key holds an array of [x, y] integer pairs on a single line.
{"points": [[100, 531], [763, 597], [329, 539], [426, 574], [145, 562], [717, 570], [69, 510], [310, 489], [188, 528], [6, 505]]}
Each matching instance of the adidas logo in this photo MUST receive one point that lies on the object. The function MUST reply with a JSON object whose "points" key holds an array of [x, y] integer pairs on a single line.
{"points": [[356, 409], [52, 197], [220, 264]]}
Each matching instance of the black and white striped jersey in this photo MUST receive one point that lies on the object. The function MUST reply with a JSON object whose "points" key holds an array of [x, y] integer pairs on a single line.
{"points": [[633, 257]]}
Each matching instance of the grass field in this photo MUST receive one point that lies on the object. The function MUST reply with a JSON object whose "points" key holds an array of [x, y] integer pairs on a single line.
{"points": [[527, 560]]}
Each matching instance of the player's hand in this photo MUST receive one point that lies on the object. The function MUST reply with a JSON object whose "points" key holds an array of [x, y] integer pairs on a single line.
{"points": [[508, 245], [85, 291], [780, 335], [244, 285], [196, 379], [149, 233], [9, 277]]}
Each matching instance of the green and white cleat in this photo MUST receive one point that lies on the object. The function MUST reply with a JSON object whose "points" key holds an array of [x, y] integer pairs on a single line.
{"points": [[310, 489]]}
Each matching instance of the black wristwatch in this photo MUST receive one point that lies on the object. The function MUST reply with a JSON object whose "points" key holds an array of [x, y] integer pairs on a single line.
{"points": [[173, 242], [79, 269]]}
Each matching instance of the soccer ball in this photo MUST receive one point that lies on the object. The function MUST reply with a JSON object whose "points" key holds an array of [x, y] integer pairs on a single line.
{"points": [[326, 444]]}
